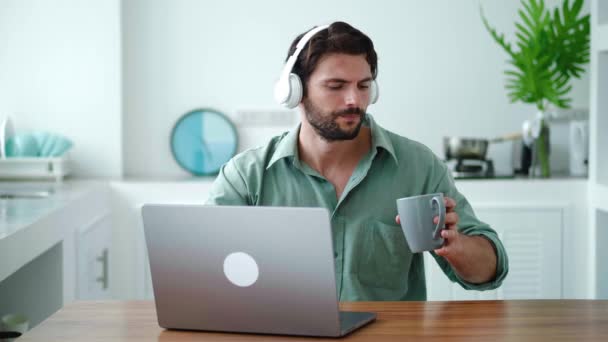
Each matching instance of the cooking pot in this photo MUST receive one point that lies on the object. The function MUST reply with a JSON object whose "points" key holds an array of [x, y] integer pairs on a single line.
{"points": [[472, 148]]}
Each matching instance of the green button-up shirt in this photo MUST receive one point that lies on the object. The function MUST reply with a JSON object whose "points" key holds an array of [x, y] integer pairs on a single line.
{"points": [[373, 260]]}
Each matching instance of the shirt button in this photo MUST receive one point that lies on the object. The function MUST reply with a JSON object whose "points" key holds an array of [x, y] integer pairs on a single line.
{"points": [[335, 254]]}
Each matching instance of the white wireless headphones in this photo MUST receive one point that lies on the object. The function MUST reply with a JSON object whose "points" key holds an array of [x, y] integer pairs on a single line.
{"points": [[288, 90]]}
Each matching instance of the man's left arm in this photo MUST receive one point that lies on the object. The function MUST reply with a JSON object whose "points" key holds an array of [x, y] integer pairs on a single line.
{"points": [[472, 254], [473, 258]]}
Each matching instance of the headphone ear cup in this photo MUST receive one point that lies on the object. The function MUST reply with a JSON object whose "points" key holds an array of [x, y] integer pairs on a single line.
{"points": [[295, 91], [281, 91], [374, 92]]}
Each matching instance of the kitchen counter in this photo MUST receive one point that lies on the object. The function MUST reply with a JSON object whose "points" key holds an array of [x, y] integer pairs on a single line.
{"points": [[29, 226]]}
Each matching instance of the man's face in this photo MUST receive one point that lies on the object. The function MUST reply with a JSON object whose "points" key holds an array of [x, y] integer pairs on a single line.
{"points": [[338, 95]]}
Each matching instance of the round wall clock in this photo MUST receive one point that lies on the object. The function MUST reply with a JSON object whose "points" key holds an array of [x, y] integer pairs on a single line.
{"points": [[203, 140]]}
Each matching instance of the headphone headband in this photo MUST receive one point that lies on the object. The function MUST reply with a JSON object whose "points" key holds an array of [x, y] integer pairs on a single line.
{"points": [[291, 61]]}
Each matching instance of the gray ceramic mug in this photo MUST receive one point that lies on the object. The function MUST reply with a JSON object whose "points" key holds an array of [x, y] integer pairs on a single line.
{"points": [[416, 214]]}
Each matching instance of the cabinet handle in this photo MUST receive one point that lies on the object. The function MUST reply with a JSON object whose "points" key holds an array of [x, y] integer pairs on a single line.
{"points": [[103, 259]]}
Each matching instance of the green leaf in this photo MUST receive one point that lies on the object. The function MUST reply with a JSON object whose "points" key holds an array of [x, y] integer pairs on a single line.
{"points": [[552, 47], [499, 38], [524, 31]]}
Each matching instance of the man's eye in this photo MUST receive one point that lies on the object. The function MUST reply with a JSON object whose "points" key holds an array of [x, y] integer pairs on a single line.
{"points": [[364, 86], [334, 86]]}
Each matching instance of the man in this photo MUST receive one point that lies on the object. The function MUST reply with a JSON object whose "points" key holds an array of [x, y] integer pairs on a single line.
{"points": [[340, 159]]}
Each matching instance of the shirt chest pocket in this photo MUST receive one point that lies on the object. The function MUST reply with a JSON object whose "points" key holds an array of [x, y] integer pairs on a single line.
{"points": [[383, 258]]}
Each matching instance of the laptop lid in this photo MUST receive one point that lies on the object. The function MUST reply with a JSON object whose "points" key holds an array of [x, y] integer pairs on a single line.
{"points": [[242, 269]]}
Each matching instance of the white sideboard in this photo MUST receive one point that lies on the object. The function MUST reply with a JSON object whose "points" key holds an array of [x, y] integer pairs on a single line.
{"points": [[532, 236], [543, 224]]}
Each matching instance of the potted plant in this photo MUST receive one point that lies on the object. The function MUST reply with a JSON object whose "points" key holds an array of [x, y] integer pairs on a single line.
{"points": [[550, 48]]}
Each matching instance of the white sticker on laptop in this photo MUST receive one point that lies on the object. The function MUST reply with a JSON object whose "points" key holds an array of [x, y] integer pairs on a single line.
{"points": [[241, 269]]}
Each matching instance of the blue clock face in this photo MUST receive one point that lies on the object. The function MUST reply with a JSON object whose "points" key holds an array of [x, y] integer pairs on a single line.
{"points": [[203, 140]]}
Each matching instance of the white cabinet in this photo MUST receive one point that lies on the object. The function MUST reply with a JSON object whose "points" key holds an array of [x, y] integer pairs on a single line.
{"points": [[532, 237], [130, 267], [93, 245], [543, 224]]}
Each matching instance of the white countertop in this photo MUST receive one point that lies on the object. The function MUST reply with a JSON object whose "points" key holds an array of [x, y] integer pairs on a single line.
{"points": [[30, 226], [18, 213]]}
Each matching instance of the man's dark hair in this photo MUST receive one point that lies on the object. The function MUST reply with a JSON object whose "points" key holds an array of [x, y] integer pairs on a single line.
{"points": [[339, 37]]}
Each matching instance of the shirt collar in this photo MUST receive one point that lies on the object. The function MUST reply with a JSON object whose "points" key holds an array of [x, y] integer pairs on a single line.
{"points": [[380, 137], [288, 146]]}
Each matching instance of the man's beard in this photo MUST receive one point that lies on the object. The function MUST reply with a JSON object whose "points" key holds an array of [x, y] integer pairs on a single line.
{"points": [[325, 124]]}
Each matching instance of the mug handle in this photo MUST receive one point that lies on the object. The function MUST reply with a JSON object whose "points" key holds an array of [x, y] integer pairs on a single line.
{"points": [[437, 200]]}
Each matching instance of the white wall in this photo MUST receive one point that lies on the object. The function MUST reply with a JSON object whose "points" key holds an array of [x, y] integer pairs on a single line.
{"points": [[60, 71], [440, 73]]}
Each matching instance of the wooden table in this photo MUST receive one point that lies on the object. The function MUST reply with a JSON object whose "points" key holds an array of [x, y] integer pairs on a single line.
{"points": [[545, 320]]}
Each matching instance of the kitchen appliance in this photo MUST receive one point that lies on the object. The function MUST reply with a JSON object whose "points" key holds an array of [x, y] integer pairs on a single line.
{"points": [[471, 168], [579, 147], [472, 148], [522, 157], [466, 157]]}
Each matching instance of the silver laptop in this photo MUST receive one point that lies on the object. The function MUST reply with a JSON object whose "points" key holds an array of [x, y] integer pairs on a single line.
{"points": [[245, 269]]}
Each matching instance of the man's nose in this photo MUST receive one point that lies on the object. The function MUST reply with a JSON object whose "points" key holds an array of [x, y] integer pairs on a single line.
{"points": [[354, 97]]}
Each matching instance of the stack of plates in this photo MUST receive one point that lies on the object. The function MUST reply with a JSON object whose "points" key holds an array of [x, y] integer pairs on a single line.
{"points": [[31, 167]]}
